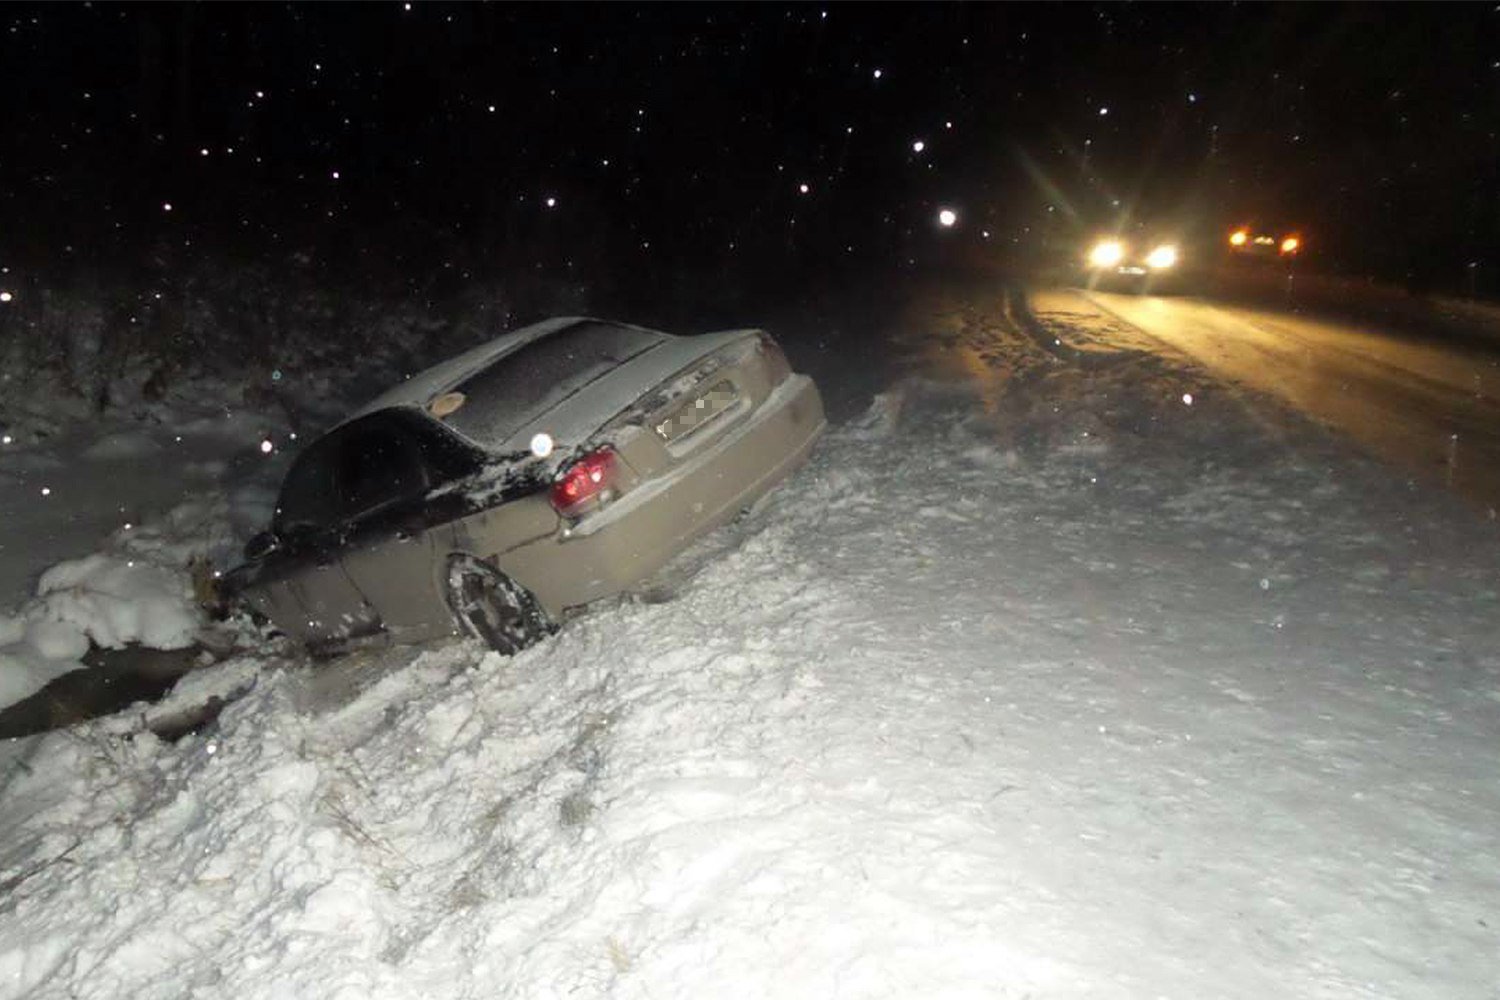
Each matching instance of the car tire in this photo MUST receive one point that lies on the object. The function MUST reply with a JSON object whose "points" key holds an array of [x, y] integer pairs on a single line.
{"points": [[492, 607]]}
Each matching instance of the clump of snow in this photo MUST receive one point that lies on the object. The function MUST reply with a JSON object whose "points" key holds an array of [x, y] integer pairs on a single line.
{"points": [[107, 600], [114, 601]]}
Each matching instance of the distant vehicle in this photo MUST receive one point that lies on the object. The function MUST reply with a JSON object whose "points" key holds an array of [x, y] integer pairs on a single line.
{"points": [[1264, 243], [498, 491], [1142, 263]]}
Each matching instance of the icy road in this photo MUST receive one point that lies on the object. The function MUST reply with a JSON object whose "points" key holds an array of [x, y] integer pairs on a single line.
{"points": [[1430, 405], [1056, 673]]}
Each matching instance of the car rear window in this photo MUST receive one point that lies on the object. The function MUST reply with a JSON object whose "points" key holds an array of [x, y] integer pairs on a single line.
{"points": [[537, 376]]}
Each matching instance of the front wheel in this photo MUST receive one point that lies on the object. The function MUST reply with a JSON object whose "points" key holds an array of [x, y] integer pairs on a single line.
{"points": [[492, 607]]}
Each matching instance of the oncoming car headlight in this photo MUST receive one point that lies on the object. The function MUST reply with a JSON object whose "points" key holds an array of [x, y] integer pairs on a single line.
{"points": [[1162, 257], [1106, 253]]}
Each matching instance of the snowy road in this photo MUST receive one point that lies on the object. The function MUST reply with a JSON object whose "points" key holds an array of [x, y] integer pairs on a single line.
{"points": [[1053, 675], [1430, 406]]}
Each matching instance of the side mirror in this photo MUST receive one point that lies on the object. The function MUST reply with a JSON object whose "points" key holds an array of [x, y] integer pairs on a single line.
{"points": [[261, 546]]}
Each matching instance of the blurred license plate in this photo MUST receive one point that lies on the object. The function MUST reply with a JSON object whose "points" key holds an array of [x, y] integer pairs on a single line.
{"points": [[698, 411]]}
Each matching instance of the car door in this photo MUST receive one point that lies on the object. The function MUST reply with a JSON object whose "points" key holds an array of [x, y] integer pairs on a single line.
{"points": [[387, 550], [306, 590], [390, 560], [335, 607]]}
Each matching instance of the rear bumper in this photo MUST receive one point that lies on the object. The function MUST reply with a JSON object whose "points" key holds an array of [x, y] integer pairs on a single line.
{"points": [[626, 542]]}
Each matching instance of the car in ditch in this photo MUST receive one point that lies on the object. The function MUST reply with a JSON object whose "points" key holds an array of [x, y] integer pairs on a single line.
{"points": [[500, 491]]}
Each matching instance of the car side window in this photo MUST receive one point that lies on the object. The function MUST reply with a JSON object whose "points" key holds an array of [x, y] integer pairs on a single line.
{"points": [[384, 458], [308, 499], [376, 465]]}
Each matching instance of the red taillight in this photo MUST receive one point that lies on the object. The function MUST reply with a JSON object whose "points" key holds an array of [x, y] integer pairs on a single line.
{"points": [[584, 482]]}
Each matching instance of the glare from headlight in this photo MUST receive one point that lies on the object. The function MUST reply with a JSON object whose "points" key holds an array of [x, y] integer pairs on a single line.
{"points": [[1162, 257], [1106, 253]]}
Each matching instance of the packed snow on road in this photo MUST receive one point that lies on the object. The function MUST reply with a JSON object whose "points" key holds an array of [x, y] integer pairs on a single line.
{"points": [[1054, 674]]}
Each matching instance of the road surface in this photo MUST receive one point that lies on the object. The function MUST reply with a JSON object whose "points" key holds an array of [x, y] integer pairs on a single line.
{"points": [[1429, 405]]}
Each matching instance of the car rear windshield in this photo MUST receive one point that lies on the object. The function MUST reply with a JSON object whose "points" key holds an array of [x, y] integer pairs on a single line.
{"points": [[539, 375]]}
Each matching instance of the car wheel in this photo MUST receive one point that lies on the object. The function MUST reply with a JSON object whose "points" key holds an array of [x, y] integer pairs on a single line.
{"points": [[492, 607]]}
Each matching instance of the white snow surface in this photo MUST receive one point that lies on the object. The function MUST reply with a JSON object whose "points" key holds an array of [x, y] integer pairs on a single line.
{"points": [[107, 600], [1036, 682]]}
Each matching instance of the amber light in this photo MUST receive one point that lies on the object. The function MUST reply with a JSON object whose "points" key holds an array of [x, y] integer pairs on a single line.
{"points": [[1290, 244], [1238, 238]]}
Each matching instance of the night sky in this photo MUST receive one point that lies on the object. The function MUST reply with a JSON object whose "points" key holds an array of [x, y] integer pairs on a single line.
{"points": [[389, 142]]}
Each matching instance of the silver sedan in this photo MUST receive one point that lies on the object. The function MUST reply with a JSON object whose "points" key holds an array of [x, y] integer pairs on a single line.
{"points": [[497, 492]]}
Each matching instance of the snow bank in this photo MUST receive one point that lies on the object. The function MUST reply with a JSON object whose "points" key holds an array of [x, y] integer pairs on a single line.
{"points": [[140, 497], [1205, 710], [110, 601], [137, 590]]}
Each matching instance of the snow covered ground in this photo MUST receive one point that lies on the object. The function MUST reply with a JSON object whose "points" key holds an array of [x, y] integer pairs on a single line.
{"points": [[103, 513], [110, 502], [1056, 674]]}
